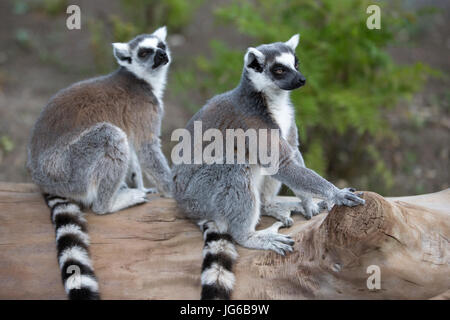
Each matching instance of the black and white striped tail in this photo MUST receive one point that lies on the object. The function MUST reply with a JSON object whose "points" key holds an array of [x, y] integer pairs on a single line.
{"points": [[72, 243], [219, 255]]}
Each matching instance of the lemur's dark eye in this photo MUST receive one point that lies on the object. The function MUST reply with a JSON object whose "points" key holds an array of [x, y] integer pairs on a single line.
{"points": [[162, 46], [296, 63], [278, 70], [145, 52]]}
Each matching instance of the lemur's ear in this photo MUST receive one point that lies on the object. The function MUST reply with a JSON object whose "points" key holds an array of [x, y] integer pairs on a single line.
{"points": [[254, 59], [161, 33], [293, 41], [122, 53]]}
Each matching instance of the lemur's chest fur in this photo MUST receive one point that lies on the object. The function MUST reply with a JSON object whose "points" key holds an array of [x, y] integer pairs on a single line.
{"points": [[281, 112]]}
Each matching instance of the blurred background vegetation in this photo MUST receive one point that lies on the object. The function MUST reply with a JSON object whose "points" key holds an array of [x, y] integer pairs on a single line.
{"points": [[374, 113]]}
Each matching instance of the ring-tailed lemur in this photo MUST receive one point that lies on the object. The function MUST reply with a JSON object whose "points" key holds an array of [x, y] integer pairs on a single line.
{"points": [[91, 144], [227, 199]]}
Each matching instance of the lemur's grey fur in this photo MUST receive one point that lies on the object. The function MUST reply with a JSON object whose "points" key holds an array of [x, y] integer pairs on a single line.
{"points": [[92, 143], [233, 195]]}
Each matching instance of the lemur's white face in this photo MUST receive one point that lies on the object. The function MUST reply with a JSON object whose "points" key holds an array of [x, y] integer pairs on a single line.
{"points": [[147, 57], [145, 54], [274, 66]]}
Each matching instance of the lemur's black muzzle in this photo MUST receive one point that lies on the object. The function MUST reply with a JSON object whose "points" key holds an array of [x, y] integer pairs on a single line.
{"points": [[161, 58], [301, 80], [296, 81]]}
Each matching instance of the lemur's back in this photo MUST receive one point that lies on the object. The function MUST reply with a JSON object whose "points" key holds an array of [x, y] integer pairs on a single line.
{"points": [[230, 111], [119, 98]]}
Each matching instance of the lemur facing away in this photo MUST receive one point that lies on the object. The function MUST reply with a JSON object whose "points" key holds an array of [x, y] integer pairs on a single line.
{"points": [[91, 144], [227, 199]]}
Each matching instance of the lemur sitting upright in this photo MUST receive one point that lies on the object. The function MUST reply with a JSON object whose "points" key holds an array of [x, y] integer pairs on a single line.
{"points": [[227, 199], [90, 145]]}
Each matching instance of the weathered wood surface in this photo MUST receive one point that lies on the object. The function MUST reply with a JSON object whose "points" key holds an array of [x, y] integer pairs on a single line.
{"points": [[153, 252]]}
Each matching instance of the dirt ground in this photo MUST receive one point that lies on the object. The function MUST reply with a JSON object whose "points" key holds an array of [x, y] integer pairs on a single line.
{"points": [[39, 56]]}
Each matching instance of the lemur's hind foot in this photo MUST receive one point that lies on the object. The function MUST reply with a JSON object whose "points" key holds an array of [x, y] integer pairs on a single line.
{"points": [[269, 239], [124, 186], [150, 190], [310, 208], [128, 198], [282, 211], [125, 198], [307, 207]]}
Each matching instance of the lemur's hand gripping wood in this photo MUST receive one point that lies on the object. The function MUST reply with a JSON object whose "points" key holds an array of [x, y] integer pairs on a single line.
{"points": [[153, 252]]}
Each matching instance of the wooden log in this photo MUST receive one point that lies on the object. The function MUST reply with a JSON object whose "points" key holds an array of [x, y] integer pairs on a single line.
{"points": [[153, 252], [408, 243]]}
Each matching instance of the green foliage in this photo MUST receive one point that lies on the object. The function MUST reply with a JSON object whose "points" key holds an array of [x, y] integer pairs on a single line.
{"points": [[383, 180], [351, 78], [149, 14], [22, 36], [54, 7], [101, 48], [20, 7], [315, 157], [27, 42], [123, 31], [48, 7], [6, 144], [222, 71]]}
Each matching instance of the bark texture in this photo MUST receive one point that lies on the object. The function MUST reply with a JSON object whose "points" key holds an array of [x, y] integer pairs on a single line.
{"points": [[153, 252]]}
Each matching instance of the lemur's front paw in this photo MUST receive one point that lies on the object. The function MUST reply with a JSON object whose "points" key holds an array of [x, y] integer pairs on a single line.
{"points": [[348, 198]]}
